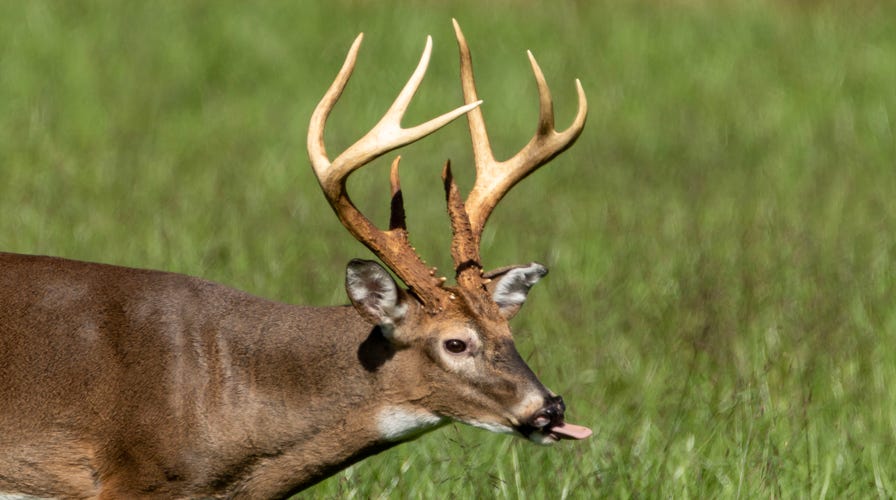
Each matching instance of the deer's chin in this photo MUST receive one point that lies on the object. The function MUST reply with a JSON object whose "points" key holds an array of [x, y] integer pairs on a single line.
{"points": [[542, 438]]}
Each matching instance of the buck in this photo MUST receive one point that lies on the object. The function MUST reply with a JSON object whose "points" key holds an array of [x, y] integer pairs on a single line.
{"points": [[125, 383]]}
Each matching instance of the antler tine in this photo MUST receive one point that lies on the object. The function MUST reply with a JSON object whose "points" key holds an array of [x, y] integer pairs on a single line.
{"points": [[317, 151], [545, 102], [397, 219], [493, 178], [391, 246], [385, 136], [482, 149], [396, 111], [464, 246]]}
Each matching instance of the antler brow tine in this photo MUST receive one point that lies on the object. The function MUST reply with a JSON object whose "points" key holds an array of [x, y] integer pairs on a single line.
{"points": [[397, 217]]}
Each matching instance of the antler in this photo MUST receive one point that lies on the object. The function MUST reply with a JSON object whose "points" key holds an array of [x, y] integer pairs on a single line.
{"points": [[391, 246], [495, 178]]}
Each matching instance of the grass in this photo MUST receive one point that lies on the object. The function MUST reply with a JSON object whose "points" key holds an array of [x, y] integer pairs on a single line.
{"points": [[722, 237]]}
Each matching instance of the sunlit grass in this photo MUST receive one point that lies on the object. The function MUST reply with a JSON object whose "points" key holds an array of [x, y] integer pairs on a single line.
{"points": [[721, 238]]}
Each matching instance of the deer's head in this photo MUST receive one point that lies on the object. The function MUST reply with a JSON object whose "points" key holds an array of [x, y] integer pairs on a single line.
{"points": [[457, 337]]}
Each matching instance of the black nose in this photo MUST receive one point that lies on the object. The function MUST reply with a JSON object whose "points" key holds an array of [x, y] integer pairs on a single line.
{"points": [[550, 414], [558, 400]]}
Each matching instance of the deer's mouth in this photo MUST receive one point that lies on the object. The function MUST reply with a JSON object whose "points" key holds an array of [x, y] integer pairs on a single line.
{"points": [[553, 432], [548, 426]]}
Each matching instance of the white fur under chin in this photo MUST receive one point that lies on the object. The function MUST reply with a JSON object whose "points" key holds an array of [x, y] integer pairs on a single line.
{"points": [[397, 423], [542, 439]]}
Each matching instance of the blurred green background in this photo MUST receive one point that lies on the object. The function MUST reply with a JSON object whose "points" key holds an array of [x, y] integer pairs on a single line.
{"points": [[721, 309]]}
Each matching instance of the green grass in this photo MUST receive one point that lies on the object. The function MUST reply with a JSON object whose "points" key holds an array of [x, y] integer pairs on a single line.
{"points": [[722, 237]]}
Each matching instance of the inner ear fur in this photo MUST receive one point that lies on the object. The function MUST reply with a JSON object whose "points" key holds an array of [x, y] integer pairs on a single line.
{"points": [[509, 286], [374, 294]]}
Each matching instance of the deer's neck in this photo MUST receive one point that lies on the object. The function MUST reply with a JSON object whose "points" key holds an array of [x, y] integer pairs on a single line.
{"points": [[325, 390]]}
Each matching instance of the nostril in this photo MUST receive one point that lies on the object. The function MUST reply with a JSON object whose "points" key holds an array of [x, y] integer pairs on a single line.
{"points": [[549, 415]]}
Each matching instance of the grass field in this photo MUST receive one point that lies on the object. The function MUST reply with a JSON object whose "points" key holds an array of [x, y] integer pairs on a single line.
{"points": [[722, 303]]}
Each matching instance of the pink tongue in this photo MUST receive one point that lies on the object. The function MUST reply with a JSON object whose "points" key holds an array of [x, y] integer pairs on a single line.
{"points": [[571, 431]]}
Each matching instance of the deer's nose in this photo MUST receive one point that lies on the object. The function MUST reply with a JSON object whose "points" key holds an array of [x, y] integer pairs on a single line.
{"points": [[550, 414]]}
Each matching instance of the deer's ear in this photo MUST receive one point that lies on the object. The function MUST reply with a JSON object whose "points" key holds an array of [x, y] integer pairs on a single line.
{"points": [[374, 293], [510, 286]]}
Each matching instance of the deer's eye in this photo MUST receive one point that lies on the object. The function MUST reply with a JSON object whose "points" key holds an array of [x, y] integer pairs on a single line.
{"points": [[455, 346]]}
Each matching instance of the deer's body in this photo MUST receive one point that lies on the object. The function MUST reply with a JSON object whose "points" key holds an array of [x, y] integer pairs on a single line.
{"points": [[133, 382], [124, 383]]}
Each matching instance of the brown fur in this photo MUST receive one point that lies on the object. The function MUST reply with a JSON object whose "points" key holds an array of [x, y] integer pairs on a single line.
{"points": [[126, 383]]}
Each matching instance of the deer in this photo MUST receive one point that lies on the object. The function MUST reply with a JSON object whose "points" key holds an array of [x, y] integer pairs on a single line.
{"points": [[128, 383]]}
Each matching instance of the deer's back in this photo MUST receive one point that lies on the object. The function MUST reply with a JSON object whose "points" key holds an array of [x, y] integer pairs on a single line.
{"points": [[89, 357]]}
